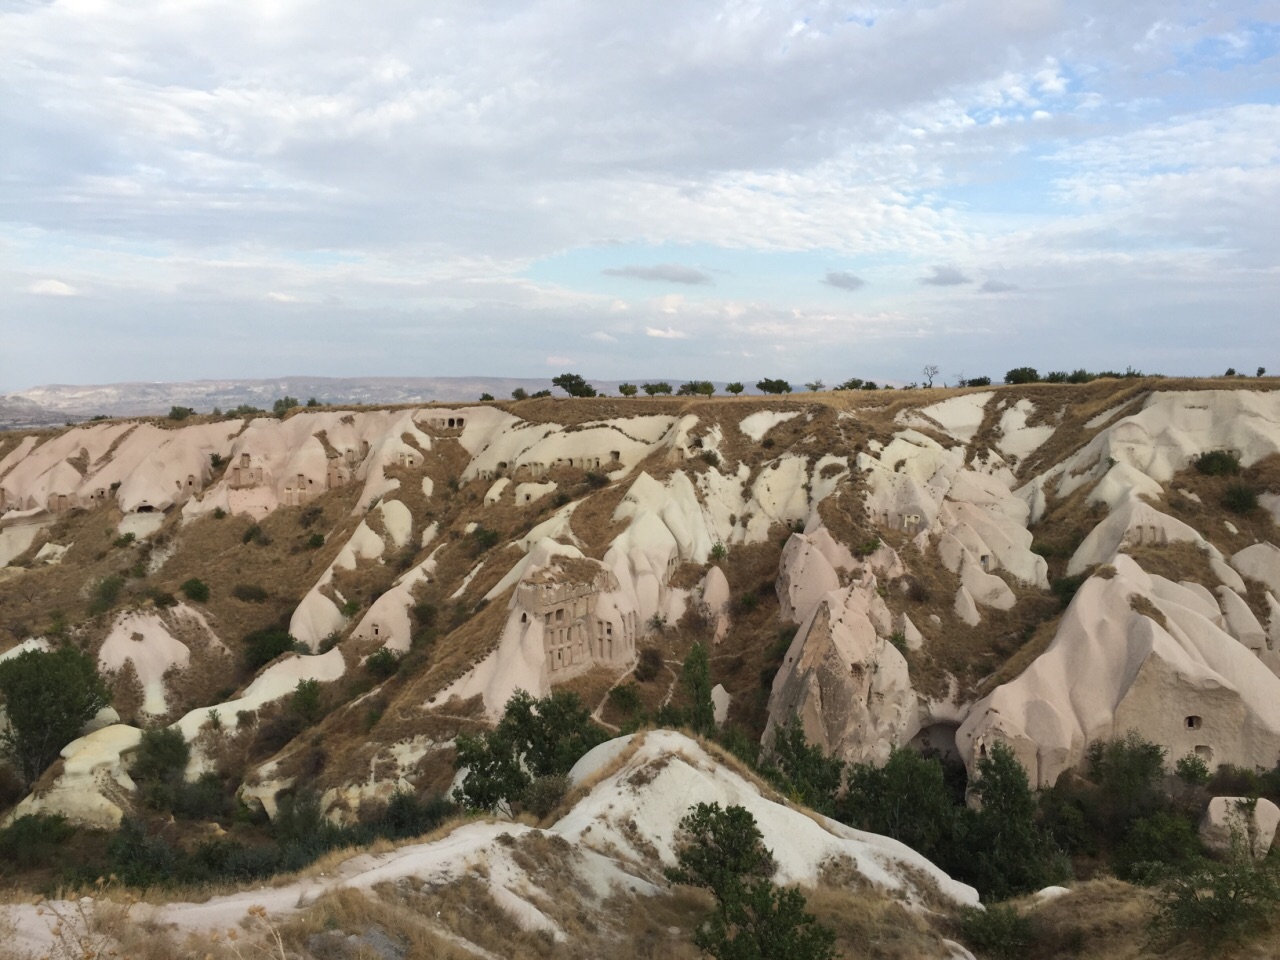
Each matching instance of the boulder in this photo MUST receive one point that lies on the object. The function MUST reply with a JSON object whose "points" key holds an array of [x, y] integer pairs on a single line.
{"points": [[1255, 822]]}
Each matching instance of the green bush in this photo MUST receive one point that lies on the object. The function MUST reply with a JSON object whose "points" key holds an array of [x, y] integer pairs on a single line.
{"points": [[283, 405], [534, 738], [803, 771], [249, 593], [1192, 771], [315, 541], [1022, 375], [696, 388], [735, 388], [484, 539], [1240, 498], [626, 699], [48, 697], [775, 386], [1129, 772], [195, 589], [105, 594], [999, 931], [718, 552], [1155, 845], [649, 664], [263, 646], [653, 389], [124, 540], [306, 701], [1218, 463], [544, 794], [164, 599], [162, 755], [722, 851], [180, 413], [877, 801], [33, 840], [1216, 902], [255, 534], [382, 663], [696, 677]]}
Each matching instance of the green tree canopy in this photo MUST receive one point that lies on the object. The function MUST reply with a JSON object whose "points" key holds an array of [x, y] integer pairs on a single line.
{"points": [[284, 405], [574, 385], [773, 386], [534, 739], [627, 389], [653, 389], [735, 388], [49, 697]]}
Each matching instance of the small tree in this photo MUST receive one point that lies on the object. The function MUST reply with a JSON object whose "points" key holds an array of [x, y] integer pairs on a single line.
{"points": [[574, 385], [804, 771], [853, 383], [1262, 371], [1022, 375], [519, 393], [312, 402], [180, 413], [653, 389], [696, 677], [814, 386], [736, 388], [284, 405], [696, 388], [486, 397], [722, 851], [306, 702], [1231, 372], [930, 371], [534, 739], [48, 697], [773, 386], [628, 389]]}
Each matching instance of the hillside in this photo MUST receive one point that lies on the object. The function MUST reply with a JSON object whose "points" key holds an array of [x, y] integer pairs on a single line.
{"points": [[1040, 567]]}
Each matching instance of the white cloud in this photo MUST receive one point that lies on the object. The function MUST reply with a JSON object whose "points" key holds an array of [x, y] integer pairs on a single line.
{"points": [[52, 288], [669, 333], [602, 336]]}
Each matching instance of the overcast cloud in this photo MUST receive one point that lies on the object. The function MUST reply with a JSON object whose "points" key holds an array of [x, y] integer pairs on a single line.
{"points": [[193, 190]]}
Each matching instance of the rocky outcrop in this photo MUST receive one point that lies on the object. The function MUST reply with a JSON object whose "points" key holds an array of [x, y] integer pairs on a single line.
{"points": [[844, 681], [1232, 820]]}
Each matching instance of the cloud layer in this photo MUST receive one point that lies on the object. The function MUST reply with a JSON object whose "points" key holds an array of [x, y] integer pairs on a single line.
{"points": [[332, 189]]}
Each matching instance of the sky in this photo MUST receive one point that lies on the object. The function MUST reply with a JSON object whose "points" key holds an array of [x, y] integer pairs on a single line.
{"points": [[716, 190]]}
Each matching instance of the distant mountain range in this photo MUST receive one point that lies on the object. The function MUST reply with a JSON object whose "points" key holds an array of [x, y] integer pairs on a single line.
{"points": [[58, 403]]}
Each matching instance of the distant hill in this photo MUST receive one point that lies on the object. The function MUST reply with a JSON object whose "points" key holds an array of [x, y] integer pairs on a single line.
{"points": [[60, 402]]}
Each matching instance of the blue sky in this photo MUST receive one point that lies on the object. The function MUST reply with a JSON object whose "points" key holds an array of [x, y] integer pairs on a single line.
{"points": [[722, 190]]}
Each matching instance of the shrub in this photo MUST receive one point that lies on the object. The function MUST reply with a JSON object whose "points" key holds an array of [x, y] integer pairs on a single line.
{"points": [[1022, 375], [597, 480], [649, 664], [626, 699], [1240, 498], [180, 413], [162, 755], [249, 593], [138, 860], [899, 641], [999, 931], [283, 405], [106, 592], [306, 702], [544, 794], [255, 534], [917, 592], [1155, 845], [486, 397], [718, 552], [195, 589], [1217, 902], [382, 664], [1192, 771], [1056, 376], [124, 540], [310, 515], [315, 541], [48, 697], [628, 389], [876, 800], [263, 646], [1065, 588], [1128, 771], [406, 816], [1079, 376], [163, 599], [976, 382], [33, 840], [1218, 463], [710, 457], [653, 389], [219, 513], [853, 383], [484, 539], [804, 772]]}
